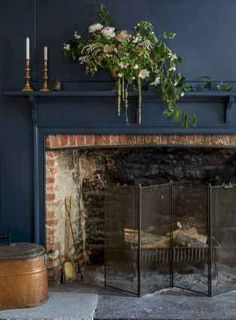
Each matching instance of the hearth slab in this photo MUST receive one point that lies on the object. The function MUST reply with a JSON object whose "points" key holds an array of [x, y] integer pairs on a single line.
{"points": [[173, 304], [63, 304], [84, 302]]}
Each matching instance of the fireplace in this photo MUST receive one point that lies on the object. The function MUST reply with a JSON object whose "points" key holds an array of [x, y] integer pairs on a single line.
{"points": [[95, 176]]}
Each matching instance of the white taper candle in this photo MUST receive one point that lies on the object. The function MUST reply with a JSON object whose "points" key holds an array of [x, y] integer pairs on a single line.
{"points": [[45, 53], [27, 48]]}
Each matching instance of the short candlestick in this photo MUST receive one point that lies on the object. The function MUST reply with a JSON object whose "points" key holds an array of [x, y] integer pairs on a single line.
{"points": [[45, 77]]}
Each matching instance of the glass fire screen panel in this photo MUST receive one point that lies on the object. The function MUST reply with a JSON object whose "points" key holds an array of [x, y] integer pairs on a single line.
{"points": [[155, 237], [190, 240], [121, 238], [223, 217]]}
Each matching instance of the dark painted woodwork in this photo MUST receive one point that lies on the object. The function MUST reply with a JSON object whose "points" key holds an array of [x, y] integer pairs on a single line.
{"points": [[205, 37]]}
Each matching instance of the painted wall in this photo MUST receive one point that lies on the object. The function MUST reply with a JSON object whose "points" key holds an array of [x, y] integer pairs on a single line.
{"points": [[206, 37]]}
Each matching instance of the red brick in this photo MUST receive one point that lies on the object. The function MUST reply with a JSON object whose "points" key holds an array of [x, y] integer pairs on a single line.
{"points": [[52, 222], [148, 139], [53, 170], [50, 232], [50, 196], [50, 188], [123, 139], [50, 180], [50, 162], [114, 139], [48, 142], [80, 140], [72, 140], [102, 140], [90, 140], [64, 140], [50, 214], [50, 155], [140, 139], [53, 141]]}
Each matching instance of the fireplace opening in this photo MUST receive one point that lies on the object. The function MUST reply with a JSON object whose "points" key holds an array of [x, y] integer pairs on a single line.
{"points": [[96, 198]]}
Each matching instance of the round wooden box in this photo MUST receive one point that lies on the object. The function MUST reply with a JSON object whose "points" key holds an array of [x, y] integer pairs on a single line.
{"points": [[23, 275]]}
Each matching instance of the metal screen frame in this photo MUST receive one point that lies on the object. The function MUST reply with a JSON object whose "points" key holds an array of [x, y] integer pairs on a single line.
{"points": [[208, 251]]}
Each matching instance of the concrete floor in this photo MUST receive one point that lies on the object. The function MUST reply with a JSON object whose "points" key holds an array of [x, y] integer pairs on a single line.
{"points": [[76, 302]]}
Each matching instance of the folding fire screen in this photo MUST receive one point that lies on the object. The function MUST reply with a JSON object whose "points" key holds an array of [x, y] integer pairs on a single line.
{"points": [[171, 235]]}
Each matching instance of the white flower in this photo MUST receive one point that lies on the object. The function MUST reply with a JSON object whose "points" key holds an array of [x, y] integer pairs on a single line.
{"points": [[136, 66], [108, 48], [173, 68], [182, 94], [156, 81], [108, 32], [143, 74], [77, 36], [173, 57], [120, 75], [95, 27], [123, 36], [123, 65], [66, 46]]}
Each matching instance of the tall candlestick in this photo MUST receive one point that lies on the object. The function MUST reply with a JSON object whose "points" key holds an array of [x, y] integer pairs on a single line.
{"points": [[45, 53], [27, 48]]}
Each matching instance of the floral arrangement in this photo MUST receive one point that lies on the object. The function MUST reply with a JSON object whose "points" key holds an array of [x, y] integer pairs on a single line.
{"points": [[136, 61]]}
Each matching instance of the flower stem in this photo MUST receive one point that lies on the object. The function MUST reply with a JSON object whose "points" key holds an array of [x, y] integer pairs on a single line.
{"points": [[119, 97], [139, 100], [123, 88], [126, 104]]}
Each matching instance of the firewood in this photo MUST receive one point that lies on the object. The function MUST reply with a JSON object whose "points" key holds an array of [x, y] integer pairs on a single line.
{"points": [[188, 232], [163, 243], [189, 237]]}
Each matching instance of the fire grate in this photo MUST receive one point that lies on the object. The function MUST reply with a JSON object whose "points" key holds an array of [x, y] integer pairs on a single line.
{"points": [[178, 255], [170, 235]]}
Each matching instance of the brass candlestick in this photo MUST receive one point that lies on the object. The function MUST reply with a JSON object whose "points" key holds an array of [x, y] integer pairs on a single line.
{"points": [[27, 86], [45, 77]]}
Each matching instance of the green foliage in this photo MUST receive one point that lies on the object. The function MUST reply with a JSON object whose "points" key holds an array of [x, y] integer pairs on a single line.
{"points": [[169, 35], [137, 60], [104, 15], [223, 86], [207, 83]]}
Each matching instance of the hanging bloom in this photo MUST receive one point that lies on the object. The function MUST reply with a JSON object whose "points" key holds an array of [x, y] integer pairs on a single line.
{"points": [[143, 74], [123, 65], [108, 32], [66, 46], [172, 68], [95, 27], [156, 81], [76, 35], [108, 48], [137, 38], [122, 36], [136, 67], [173, 57]]}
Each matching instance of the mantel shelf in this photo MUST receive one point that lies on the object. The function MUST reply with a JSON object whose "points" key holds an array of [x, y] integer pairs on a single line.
{"points": [[227, 98], [195, 94]]}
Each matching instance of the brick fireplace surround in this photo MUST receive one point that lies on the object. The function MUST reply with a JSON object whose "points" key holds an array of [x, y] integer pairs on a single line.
{"points": [[59, 142]]}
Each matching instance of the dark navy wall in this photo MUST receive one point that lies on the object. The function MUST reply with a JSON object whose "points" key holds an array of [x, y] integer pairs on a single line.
{"points": [[206, 37]]}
